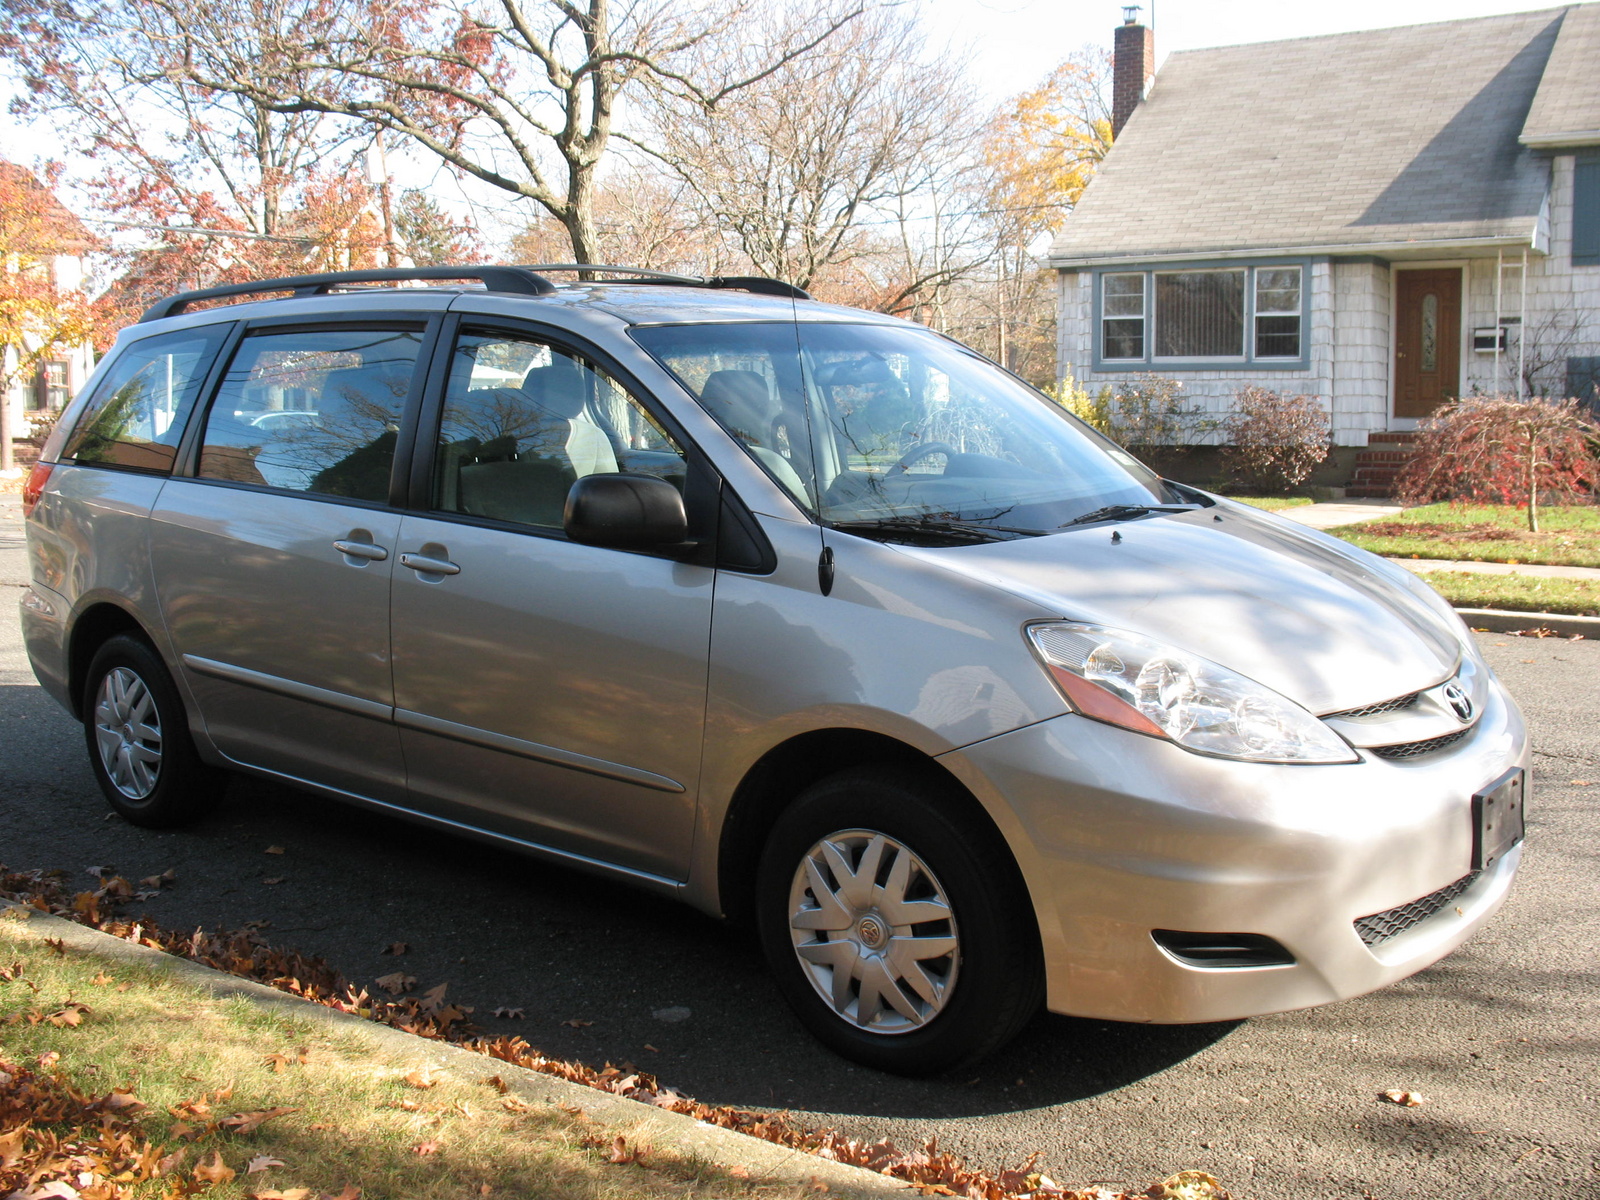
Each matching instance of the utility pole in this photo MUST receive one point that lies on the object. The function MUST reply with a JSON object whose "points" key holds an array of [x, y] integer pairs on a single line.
{"points": [[378, 177]]}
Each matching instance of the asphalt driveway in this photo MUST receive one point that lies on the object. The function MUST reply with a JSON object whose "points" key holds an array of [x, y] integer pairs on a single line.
{"points": [[1502, 1039]]}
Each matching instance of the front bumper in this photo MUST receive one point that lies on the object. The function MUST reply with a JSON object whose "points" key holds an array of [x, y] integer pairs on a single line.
{"points": [[1119, 834]]}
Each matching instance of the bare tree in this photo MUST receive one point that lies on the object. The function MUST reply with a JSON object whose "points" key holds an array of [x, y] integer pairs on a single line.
{"points": [[518, 94], [119, 79], [792, 168]]}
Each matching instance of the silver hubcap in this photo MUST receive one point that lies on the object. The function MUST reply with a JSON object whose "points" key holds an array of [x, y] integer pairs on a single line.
{"points": [[873, 931], [127, 731]]}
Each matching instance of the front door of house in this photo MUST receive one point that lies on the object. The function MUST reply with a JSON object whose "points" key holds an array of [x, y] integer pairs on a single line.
{"points": [[1427, 342]]}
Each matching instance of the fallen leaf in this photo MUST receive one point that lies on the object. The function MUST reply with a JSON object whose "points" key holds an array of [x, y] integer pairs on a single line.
{"points": [[651, 1048], [263, 1162], [273, 879], [214, 1170], [429, 1147], [1581, 783], [302, 1193], [258, 924], [421, 1080], [1188, 1185], [396, 983], [274, 850], [49, 1059], [56, 944], [249, 1122], [577, 1023], [620, 1154], [395, 948], [157, 882], [69, 1016], [1403, 1098], [514, 1104], [351, 1192], [101, 979], [433, 998], [511, 1014]]}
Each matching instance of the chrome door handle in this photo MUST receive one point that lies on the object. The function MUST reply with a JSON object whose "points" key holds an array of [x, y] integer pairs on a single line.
{"points": [[364, 550], [429, 566]]}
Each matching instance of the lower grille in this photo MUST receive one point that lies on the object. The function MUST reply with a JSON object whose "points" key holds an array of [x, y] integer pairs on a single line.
{"points": [[1380, 927], [1407, 750]]}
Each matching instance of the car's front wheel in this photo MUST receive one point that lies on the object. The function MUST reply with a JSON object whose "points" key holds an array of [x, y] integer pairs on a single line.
{"points": [[139, 745], [896, 924]]}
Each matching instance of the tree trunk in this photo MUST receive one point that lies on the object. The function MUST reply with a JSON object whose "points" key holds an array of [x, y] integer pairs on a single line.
{"points": [[1533, 485]]}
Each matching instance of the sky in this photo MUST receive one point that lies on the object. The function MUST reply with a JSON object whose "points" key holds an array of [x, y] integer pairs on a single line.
{"points": [[1013, 45], [1016, 43]]}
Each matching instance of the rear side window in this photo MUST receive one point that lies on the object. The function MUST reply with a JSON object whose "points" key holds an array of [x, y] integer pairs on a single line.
{"points": [[136, 416], [312, 411]]}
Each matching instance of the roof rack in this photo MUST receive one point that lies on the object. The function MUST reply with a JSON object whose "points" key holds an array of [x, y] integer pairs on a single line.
{"points": [[514, 280], [759, 284]]}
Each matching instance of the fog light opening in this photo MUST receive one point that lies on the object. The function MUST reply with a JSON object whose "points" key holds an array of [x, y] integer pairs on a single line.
{"points": [[1222, 950]]}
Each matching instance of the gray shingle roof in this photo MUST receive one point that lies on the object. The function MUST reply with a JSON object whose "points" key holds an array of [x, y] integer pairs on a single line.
{"points": [[1358, 140], [1566, 112]]}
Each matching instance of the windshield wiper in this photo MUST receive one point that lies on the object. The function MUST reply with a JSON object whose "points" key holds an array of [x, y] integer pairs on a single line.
{"points": [[937, 528], [1124, 512]]}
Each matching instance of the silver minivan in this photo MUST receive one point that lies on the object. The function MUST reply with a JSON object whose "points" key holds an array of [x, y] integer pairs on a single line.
{"points": [[798, 613]]}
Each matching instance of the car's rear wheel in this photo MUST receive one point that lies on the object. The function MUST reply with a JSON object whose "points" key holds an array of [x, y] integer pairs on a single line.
{"points": [[896, 922], [138, 738]]}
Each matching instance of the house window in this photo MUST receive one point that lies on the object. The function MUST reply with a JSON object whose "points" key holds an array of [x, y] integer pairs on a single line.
{"points": [[1122, 313], [1586, 210], [50, 388], [1200, 314], [1277, 312], [1215, 315]]}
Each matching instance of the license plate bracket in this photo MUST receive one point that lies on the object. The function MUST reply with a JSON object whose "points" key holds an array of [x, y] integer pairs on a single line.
{"points": [[1497, 819]]}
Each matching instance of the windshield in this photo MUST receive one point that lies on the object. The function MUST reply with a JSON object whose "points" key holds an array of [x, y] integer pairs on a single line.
{"points": [[897, 428]]}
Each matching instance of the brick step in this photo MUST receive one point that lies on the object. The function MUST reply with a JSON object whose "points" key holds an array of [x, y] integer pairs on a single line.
{"points": [[1373, 474], [1367, 458], [1400, 437]]}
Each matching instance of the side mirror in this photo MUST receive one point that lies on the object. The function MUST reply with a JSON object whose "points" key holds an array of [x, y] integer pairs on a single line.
{"points": [[630, 512]]}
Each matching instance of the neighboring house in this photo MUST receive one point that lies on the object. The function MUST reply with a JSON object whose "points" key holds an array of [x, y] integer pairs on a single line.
{"points": [[58, 376], [1351, 217]]}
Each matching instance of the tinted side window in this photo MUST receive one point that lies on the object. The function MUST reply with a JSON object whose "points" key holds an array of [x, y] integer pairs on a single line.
{"points": [[523, 420], [138, 412], [312, 411]]}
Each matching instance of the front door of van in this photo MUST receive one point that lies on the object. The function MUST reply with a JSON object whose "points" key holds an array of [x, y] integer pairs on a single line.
{"points": [[1427, 341], [549, 691], [273, 561]]}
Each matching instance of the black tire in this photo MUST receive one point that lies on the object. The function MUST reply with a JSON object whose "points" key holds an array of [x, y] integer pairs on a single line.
{"points": [[995, 978], [141, 715]]}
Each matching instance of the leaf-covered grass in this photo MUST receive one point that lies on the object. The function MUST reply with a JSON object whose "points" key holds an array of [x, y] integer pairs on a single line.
{"points": [[1568, 535], [188, 1061], [1518, 593], [1273, 503]]}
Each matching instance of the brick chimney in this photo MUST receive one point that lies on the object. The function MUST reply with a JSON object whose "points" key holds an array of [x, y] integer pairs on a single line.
{"points": [[1133, 65]]}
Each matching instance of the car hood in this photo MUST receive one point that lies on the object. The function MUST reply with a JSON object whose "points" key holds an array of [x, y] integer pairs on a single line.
{"points": [[1325, 624]]}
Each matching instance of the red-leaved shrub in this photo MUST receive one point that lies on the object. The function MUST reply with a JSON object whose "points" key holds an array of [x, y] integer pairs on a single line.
{"points": [[1274, 441], [1497, 450]]}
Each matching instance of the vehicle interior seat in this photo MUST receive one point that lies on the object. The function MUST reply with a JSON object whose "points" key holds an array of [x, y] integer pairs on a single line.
{"points": [[525, 475], [742, 401]]}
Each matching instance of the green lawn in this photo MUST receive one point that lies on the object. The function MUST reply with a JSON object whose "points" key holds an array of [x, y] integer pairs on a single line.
{"points": [[1273, 503], [1568, 536], [1517, 593]]}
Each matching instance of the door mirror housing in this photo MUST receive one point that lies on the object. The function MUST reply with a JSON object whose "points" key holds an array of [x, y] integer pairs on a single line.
{"points": [[626, 511]]}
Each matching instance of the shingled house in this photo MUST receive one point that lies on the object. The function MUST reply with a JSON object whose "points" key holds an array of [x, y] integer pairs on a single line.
{"points": [[1382, 219]]}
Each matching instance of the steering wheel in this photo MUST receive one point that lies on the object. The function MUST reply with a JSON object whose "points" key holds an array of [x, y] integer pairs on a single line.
{"points": [[916, 454]]}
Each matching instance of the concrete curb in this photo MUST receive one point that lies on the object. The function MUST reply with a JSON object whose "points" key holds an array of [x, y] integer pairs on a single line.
{"points": [[1498, 620], [765, 1161]]}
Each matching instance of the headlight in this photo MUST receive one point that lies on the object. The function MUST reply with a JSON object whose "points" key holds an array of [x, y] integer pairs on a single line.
{"points": [[1139, 684]]}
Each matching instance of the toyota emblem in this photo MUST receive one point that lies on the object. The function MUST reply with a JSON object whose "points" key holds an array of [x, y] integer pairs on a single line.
{"points": [[1459, 700]]}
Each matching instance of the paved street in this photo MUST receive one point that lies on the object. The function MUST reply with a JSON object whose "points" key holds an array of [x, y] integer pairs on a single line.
{"points": [[1503, 1039]]}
